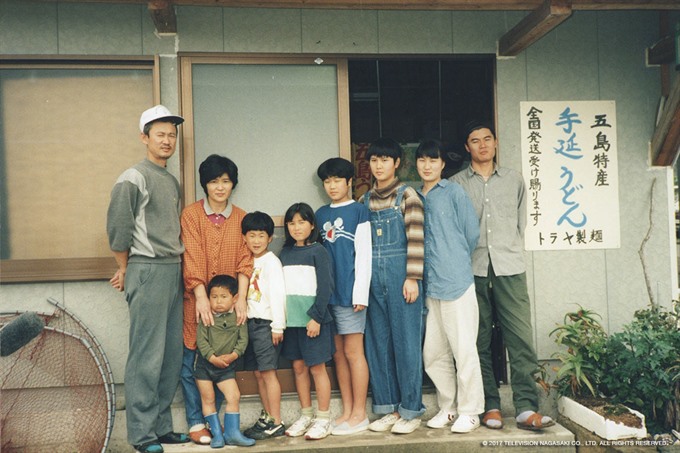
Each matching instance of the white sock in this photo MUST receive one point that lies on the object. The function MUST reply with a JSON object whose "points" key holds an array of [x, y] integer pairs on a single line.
{"points": [[524, 416], [325, 415], [196, 427], [491, 423]]}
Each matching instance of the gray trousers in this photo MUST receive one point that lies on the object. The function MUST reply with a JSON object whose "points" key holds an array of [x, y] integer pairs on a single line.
{"points": [[154, 296]]}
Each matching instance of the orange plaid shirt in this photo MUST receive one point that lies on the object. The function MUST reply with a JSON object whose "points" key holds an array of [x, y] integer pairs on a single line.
{"points": [[209, 250]]}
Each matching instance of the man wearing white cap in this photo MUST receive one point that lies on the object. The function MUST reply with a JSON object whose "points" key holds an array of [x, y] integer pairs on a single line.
{"points": [[144, 235]]}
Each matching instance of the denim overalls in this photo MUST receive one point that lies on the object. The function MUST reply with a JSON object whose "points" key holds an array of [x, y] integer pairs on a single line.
{"points": [[393, 327]]}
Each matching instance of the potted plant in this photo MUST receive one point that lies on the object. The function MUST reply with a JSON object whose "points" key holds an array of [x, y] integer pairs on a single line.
{"points": [[580, 375], [583, 336]]}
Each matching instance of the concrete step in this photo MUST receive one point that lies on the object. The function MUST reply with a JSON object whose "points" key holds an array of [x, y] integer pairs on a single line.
{"points": [[557, 438]]}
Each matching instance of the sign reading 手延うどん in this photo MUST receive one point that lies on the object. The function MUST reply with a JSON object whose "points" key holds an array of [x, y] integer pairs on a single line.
{"points": [[570, 167]]}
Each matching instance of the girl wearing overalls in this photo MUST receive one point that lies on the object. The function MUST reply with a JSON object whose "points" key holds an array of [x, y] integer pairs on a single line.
{"points": [[394, 324]]}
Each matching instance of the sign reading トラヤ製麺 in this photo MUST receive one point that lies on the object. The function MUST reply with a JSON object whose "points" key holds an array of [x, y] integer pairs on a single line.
{"points": [[570, 168]]}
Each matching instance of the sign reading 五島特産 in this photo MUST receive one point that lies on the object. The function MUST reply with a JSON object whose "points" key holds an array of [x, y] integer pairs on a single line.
{"points": [[570, 168]]}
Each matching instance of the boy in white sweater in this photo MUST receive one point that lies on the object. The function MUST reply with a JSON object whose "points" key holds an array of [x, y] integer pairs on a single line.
{"points": [[266, 323]]}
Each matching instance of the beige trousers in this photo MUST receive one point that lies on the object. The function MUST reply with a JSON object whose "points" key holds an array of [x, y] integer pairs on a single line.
{"points": [[450, 353]]}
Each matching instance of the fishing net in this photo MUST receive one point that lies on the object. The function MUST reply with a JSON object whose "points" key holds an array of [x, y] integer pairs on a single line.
{"points": [[57, 392]]}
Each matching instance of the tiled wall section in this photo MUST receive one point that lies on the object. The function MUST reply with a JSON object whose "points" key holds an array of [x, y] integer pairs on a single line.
{"points": [[593, 55]]}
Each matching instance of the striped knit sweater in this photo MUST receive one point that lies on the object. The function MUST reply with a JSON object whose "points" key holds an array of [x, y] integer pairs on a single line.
{"points": [[414, 218]]}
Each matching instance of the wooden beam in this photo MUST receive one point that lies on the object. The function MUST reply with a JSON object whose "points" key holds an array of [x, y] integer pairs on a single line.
{"points": [[534, 26], [163, 15], [671, 144], [661, 52], [666, 139], [452, 5], [666, 70], [625, 5]]}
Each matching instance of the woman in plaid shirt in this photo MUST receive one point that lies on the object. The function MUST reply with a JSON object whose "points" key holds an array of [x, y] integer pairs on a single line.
{"points": [[211, 232]]}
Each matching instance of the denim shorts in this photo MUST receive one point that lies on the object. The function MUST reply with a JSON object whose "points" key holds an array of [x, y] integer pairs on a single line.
{"points": [[206, 371], [348, 321], [261, 354], [298, 346]]}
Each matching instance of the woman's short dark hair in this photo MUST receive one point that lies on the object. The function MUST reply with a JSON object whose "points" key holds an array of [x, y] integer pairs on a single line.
{"points": [[385, 147], [431, 149], [307, 213], [335, 167], [224, 281], [257, 221], [215, 166]]}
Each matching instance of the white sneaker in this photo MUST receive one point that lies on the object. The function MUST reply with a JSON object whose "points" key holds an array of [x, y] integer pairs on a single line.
{"points": [[465, 424], [343, 429], [300, 426], [384, 424], [320, 428], [405, 426], [442, 419]]}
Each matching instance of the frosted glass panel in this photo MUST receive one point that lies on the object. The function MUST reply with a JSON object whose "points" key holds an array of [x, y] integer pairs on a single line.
{"points": [[276, 122], [65, 136]]}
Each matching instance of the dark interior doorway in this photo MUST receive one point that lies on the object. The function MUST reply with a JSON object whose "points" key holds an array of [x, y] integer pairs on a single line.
{"points": [[410, 99]]}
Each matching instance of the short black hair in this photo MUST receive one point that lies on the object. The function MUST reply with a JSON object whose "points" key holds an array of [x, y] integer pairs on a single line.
{"points": [[431, 149], [385, 147], [215, 166], [257, 221], [335, 167], [307, 213], [224, 281], [474, 125]]}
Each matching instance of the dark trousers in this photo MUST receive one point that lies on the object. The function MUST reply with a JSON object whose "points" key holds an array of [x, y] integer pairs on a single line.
{"points": [[513, 309]]}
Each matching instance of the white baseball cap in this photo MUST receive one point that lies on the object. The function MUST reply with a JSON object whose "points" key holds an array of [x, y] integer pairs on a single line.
{"points": [[156, 113]]}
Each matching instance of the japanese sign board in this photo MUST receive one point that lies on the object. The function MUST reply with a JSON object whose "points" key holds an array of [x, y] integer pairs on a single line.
{"points": [[570, 168]]}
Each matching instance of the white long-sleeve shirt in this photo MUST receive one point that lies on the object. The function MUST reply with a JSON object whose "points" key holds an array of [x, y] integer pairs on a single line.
{"points": [[267, 292]]}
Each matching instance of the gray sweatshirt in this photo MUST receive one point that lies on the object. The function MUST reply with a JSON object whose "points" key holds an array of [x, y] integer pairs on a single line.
{"points": [[143, 216]]}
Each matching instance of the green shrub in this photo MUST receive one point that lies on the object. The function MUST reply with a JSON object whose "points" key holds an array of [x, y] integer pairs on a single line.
{"points": [[641, 367], [638, 367]]}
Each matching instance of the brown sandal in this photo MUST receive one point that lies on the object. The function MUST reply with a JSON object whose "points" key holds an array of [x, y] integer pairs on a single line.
{"points": [[201, 437], [492, 415], [535, 423]]}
